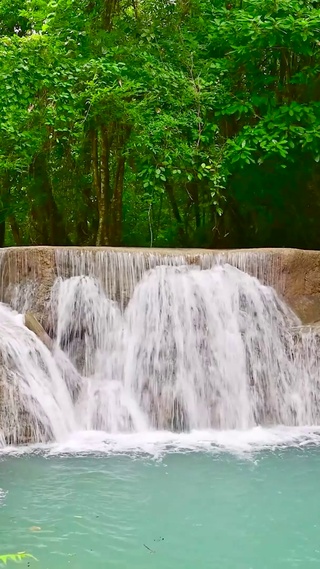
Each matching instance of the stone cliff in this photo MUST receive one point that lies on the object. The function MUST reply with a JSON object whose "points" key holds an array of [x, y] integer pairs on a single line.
{"points": [[28, 273]]}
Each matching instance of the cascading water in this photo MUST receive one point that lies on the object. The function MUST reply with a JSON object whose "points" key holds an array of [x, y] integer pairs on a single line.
{"points": [[34, 401], [209, 349], [165, 346]]}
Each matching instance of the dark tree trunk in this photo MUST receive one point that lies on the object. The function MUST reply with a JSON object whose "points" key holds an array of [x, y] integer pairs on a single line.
{"points": [[194, 192], [49, 225], [15, 230], [2, 233], [116, 205], [175, 211], [108, 12]]}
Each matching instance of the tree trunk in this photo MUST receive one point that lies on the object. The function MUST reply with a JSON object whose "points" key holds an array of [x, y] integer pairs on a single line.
{"points": [[106, 192], [108, 13], [108, 167], [2, 232], [15, 230], [116, 205], [175, 210], [97, 188], [194, 192], [4, 201], [86, 224], [48, 221]]}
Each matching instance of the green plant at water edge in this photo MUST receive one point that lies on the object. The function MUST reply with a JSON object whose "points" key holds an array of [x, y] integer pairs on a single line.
{"points": [[15, 557]]}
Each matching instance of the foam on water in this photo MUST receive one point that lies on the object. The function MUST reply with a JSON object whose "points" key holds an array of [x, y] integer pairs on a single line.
{"points": [[179, 356], [156, 444]]}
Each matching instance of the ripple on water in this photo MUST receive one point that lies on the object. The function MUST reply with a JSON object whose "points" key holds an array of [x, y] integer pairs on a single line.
{"points": [[186, 510]]}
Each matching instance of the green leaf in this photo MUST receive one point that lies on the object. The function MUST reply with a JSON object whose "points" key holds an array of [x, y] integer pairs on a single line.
{"points": [[15, 557]]}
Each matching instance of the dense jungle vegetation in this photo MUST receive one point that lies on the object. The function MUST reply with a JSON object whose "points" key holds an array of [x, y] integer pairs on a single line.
{"points": [[160, 122]]}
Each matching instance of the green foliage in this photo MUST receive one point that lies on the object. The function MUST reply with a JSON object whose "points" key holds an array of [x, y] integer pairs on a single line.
{"points": [[16, 557], [193, 123]]}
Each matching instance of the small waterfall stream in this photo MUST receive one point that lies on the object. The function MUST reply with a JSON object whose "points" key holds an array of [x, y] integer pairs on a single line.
{"points": [[147, 346], [34, 400]]}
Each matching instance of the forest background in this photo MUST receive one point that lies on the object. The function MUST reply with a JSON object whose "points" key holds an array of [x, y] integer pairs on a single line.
{"points": [[169, 123]]}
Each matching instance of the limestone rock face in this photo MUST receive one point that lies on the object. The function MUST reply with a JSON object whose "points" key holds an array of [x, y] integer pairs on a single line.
{"points": [[28, 273], [294, 273], [299, 282], [32, 323]]}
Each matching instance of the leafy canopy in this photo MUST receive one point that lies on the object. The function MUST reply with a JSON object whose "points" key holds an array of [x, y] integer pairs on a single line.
{"points": [[193, 123]]}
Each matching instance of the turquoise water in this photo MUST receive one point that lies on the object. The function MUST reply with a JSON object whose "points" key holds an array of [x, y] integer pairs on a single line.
{"points": [[192, 510]]}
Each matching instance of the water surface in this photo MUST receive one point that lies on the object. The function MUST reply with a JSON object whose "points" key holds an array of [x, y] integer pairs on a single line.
{"points": [[185, 510]]}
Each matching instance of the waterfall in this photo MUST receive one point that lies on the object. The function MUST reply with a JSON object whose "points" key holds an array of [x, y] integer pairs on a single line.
{"points": [[152, 343], [34, 401]]}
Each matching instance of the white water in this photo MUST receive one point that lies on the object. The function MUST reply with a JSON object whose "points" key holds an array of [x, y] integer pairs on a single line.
{"points": [[35, 402], [201, 352]]}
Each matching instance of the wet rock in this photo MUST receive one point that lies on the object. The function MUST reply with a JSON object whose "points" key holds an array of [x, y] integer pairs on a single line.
{"points": [[27, 278], [28, 273], [34, 325]]}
